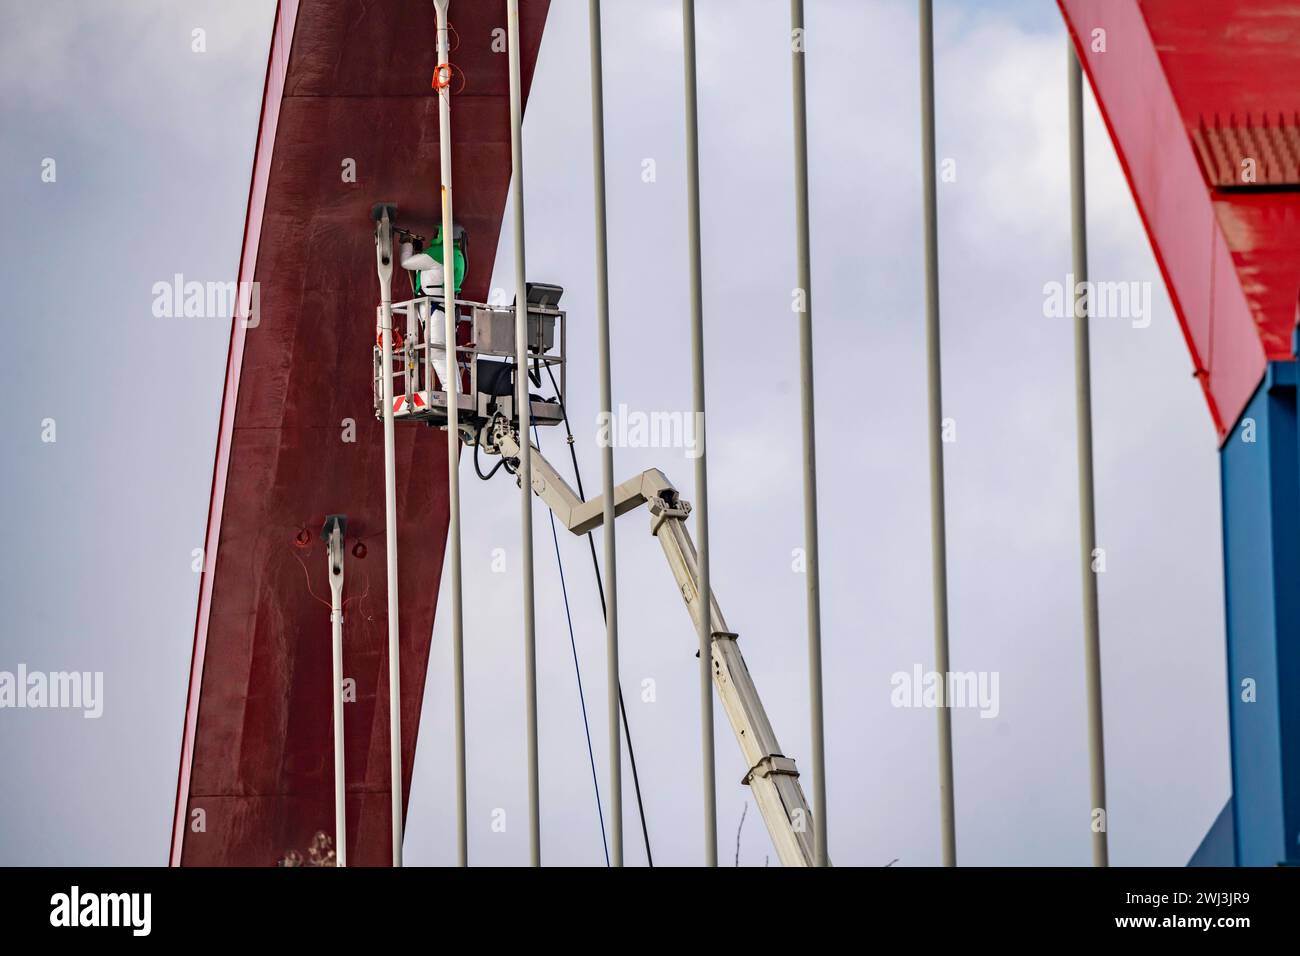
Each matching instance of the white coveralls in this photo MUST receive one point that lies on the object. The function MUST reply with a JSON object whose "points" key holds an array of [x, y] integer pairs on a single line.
{"points": [[431, 276]]}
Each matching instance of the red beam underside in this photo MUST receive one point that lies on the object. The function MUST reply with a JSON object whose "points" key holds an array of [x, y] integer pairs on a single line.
{"points": [[1228, 255]]}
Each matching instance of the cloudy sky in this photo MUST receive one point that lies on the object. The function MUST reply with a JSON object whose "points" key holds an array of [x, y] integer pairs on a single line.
{"points": [[153, 145]]}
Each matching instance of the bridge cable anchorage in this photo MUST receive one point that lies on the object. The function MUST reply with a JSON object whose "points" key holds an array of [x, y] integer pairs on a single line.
{"points": [[934, 419], [523, 411], [605, 613], [577, 671], [451, 378], [808, 415], [1087, 499]]}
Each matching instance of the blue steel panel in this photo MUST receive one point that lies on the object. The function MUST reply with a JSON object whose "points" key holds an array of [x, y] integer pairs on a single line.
{"points": [[1219, 846], [1261, 541]]}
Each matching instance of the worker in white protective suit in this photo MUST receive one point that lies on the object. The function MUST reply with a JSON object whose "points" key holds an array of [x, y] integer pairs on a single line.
{"points": [[427, 280]]}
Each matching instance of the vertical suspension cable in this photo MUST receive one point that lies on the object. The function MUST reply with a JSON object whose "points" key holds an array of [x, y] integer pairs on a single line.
{"points": [[525, 444], [577, 669], [451, 385], [607, 451], [384, 242], [701, 468], [334, 560], [604, 612], [812, 571], [934, 412], [1087, 501], [340, 770]]}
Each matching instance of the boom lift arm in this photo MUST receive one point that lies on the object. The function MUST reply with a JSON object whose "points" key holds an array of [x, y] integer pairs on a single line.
{"points": [[490, 422], [772, 776]]}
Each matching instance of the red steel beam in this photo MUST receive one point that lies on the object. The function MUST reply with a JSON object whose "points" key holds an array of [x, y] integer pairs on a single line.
{"points": [[346, 80], [1169, 71]]}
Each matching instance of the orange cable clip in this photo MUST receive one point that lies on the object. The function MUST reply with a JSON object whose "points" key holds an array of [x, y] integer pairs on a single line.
{"points": [[442, 76]]}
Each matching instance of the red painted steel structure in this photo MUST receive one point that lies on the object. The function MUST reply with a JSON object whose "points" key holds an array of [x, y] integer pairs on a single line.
{"points": [[1202, 100], [346, 80], [1181, 84]]}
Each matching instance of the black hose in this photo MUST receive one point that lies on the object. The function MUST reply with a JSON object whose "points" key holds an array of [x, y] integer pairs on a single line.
{"points": [[604, 613], [477, 468]]}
